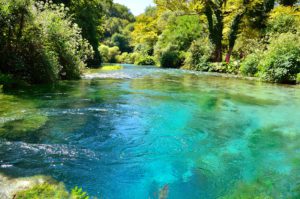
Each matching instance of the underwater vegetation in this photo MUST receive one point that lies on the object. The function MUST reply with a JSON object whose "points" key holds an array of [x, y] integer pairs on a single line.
{"points": [[19, 118]]}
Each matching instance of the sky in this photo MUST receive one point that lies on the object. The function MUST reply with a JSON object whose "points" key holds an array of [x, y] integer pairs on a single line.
{"points": [[136, 6]]}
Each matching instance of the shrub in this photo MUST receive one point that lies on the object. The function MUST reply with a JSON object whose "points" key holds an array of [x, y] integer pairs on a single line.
{"points": [[6, 79], [132, 57], [109, 54], [283, 19], [145, 60], [113, 52], [198, 55], [127, 58], [281, 62], [171, 59], [122, 58], [249, 67], [233, 67], [298, 78]]}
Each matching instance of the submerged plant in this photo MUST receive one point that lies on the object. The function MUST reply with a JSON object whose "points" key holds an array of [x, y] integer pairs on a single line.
{"points": [[19, 117]]}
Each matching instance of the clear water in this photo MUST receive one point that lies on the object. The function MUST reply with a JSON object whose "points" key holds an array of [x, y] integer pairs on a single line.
{"points": [[126, 134]]}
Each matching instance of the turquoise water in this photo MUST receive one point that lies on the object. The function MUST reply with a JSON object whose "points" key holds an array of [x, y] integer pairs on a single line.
{"points": [[129, 133]]}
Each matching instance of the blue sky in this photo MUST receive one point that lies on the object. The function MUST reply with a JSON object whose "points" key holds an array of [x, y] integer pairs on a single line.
{"points": [[136, 6]]}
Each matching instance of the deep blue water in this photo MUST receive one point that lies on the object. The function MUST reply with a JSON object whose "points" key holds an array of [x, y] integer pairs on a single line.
{"points": [[126, 134]]}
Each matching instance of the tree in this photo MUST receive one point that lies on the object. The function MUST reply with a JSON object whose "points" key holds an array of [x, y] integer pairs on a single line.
{"points": [[89, 15], [122, 12], [146, 32], [121, 41], [216, 13], [180, 31], [213, 11], [39, 42]]}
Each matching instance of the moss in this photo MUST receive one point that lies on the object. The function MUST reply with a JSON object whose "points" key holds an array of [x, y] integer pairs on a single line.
{"points": [[255, 190], [22, 128]]}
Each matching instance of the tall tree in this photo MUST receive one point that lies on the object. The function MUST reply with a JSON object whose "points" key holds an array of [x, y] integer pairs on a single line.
{"points": [[216, 12], [212, 9], [89, 14]]}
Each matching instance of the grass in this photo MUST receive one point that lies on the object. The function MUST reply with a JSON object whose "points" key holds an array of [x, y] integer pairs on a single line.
{"points": [[112, 67], [104, 68]]}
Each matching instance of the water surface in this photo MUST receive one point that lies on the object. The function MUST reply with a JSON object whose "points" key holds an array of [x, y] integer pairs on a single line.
{"points": [[126, 134]]}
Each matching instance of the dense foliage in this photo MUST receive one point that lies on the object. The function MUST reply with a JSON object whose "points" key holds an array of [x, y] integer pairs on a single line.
{"points": [[40, 43], [43, 41], [281, 62]]}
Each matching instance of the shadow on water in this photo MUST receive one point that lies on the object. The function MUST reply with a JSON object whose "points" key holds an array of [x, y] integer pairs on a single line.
{"points": [[146, 132]]}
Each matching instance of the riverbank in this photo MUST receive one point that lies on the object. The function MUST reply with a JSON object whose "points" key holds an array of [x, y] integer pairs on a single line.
{"points": [[37, 187], [11, 187]]}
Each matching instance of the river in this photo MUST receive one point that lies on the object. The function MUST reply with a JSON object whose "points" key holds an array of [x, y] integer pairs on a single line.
{"points": [[127, 133]]}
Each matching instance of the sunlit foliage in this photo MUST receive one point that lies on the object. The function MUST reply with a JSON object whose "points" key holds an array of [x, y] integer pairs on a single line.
{"points": [[40, 43]]}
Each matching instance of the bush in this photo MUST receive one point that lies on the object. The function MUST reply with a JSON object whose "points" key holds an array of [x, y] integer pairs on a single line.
{"points": [[132, 57], [298, 78], [223, 67], [198, 55], [6, 79], [281, 62], [171, 59], [145, 60], [109, 54], [283, 19], [127, 58], [233, 67], [249, 67]]}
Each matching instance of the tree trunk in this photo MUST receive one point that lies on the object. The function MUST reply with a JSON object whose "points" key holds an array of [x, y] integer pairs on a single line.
{"points": [[215, 31], [219, 34], [218, 53], [228, 55]]}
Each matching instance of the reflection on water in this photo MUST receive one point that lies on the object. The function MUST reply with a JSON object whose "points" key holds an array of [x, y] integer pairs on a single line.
{"points": [[145, 132]]}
